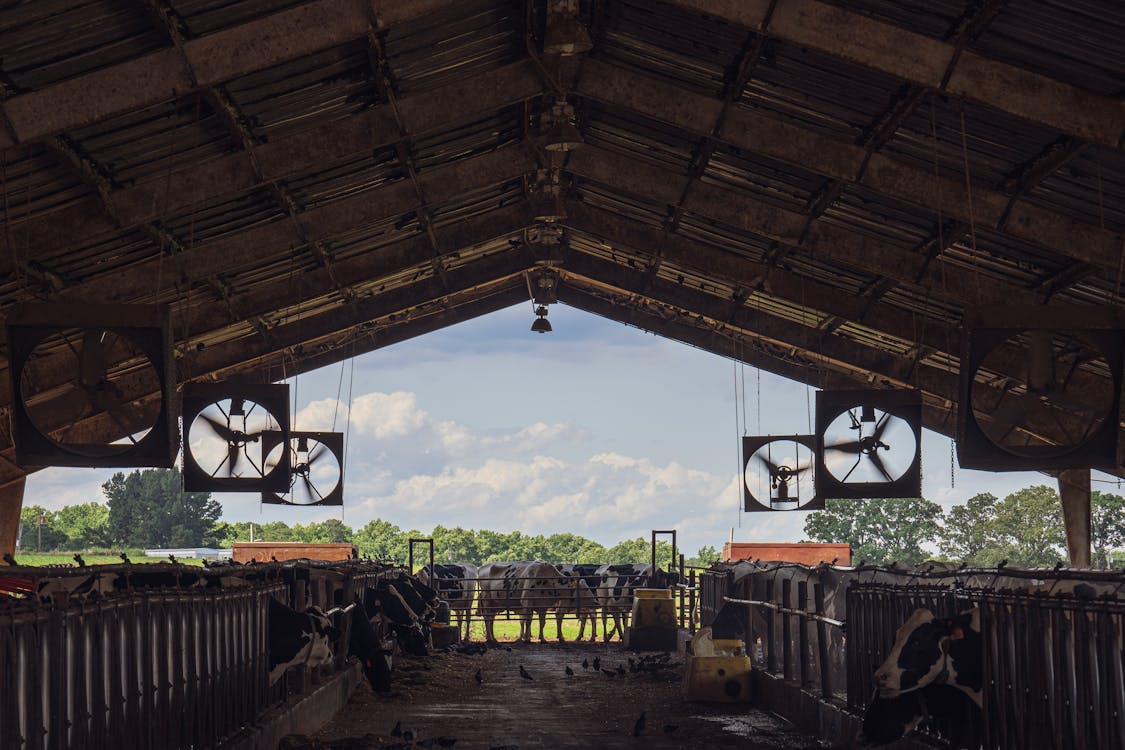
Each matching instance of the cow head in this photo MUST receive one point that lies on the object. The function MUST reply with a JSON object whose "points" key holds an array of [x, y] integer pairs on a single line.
{"points": [[920, 655], [324, 633]]}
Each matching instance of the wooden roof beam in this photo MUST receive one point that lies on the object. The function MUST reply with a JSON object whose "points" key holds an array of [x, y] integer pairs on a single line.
{"points": [[851, 163], [944, 280], [224, 55], [281, 158], [925, 61]]}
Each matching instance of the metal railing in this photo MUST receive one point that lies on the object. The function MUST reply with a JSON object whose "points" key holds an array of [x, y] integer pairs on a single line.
{"points": [[168, 669]]}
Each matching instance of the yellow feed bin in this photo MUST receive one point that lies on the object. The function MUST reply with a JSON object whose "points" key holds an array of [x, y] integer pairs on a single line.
{"points": [[716, 671], [653, 623]]}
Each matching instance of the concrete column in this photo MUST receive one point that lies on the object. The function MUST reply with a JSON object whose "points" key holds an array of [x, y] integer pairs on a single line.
{"points": [[1074, 489], [11, 503]]}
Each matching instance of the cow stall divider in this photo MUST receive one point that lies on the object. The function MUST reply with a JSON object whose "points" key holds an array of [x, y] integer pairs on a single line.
{"points": [[1053, 661], [163, 669]]}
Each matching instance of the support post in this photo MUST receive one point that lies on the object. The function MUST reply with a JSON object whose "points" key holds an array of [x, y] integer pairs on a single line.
{"points": [[11, 503], [1074, 490]]}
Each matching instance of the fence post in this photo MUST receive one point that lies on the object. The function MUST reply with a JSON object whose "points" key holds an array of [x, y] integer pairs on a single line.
{"points": [[803, 631], [786, 630], [771, 627], [822, 643], [691, 602]]}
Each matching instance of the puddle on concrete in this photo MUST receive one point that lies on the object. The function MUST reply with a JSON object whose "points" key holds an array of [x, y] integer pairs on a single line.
{"points": [[764, 728]]}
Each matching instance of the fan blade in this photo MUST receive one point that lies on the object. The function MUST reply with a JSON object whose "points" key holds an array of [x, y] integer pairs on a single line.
{"points": [[878, 464], [234, 452], [316, 453], [311, 490], [882, 425], [770, 466], [92, 365], [219, 427], [852, 446]]}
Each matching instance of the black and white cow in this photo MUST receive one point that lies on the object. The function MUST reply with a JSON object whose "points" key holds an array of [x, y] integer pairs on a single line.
{"points": [[889, 719], [456, 583], [389, 603], [527, 588], [365, 645], [615, 591], [584, 604], [298, 638], [930, 650]]}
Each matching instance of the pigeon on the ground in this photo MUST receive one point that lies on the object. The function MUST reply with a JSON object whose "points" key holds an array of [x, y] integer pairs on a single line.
{"points": [[597, 662], [620, 670], [670, 728], [569, 671], [585, 664], [397, 731], [477, 677], [525, 674], [78, 559], [639, 727]]}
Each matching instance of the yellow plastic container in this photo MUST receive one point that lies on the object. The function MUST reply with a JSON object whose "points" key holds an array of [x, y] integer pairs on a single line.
{"points": [[652, 593], [723, 679]]}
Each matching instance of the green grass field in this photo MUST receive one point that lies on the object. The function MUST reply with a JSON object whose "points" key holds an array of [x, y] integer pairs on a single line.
{"points": [[67, 558], [509, 630]]}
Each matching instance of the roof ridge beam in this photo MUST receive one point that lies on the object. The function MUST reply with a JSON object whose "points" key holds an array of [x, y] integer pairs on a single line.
{"points": [[925, 61], [840, 160], [205, 61]]}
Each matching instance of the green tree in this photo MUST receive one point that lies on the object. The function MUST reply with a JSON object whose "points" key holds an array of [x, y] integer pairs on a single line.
{"points": [[40, 530], [456, 545], [969, 533], [86, 525], [1028, 529], [1107, 527], [148, 508], [879, 531], [639, 550], [704, 557], [381, 540], [274, 531]]}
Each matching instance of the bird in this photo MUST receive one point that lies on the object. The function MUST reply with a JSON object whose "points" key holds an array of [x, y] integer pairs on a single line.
{"points": [[525, 674], [585, 663], [639, 726], [397, 731], [569, 671], [478, 678], [408, 735], [609, 673], [78, 559], [620, 670], [597, 662], [670, 728], [632, 665], [9, 559], [124, 558]]}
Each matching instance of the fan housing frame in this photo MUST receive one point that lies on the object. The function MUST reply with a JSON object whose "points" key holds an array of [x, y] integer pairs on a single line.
{"points": [[751, 444], [906, 404], [148, 327], [333, 441], [989, 327], [273, 397]]}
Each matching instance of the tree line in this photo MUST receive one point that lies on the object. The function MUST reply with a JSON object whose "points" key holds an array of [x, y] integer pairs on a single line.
{"points": [[149, 509], [1025, 529]]}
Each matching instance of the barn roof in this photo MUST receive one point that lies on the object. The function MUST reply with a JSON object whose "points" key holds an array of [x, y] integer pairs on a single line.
{"points": [[822, 188]]}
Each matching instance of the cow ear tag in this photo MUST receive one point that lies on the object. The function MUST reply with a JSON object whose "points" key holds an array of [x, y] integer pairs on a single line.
{"points": [[957, 634]]}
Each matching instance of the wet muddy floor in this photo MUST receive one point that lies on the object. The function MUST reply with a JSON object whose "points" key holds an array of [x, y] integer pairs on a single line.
{"points": [[438, 699]]}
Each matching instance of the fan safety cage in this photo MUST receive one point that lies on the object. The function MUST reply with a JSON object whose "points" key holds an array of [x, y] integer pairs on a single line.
{"points": [[272, 399], [780, 475], [1101, 330], [329, 445], [867, 410], [147, 330]]}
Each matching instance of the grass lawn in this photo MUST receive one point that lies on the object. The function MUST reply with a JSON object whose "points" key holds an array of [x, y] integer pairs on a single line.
{"points": [[509, 630], [67, 558]]}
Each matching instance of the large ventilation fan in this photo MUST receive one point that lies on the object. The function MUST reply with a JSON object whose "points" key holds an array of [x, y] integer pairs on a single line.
{"points": [[868, 444], [778, 474], [224, 425], [78, 361], [316, 462], [1040, 389]]}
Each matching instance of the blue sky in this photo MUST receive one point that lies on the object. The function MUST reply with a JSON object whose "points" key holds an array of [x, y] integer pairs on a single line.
{"points": [[596, 428]]}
